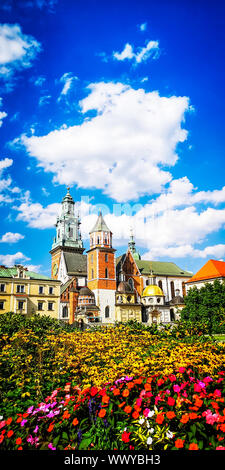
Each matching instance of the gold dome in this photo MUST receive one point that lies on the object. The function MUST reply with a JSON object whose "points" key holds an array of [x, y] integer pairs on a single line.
{"points": [[152, 290]]}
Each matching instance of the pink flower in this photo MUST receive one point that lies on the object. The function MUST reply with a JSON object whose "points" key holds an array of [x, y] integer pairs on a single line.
{"points": [[50, 446], [210, 418], [176, 388], [220, 448], [2, 424], [138, 401], [207, 380], [181, 370], [36, 430], [146, 412], [217, 393], [24, 421], [30, 409]]}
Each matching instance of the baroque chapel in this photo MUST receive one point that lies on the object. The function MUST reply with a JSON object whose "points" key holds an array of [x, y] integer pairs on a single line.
{"points": [[99, 287]]}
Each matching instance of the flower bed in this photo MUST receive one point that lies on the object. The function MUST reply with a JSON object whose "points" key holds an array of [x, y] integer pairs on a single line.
{"points": [[180, 410]]}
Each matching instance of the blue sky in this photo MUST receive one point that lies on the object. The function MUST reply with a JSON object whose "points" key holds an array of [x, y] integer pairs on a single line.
{"points": [[124, 102]]}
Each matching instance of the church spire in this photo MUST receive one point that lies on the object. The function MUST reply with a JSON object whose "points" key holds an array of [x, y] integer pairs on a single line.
{"points": [[67, 225], [132, 247]]}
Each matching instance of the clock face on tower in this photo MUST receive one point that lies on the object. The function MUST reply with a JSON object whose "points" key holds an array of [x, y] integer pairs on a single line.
{"points": [[55, 269]]}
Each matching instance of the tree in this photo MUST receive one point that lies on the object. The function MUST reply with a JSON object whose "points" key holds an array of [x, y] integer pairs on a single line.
{"points": [[206, 305]]}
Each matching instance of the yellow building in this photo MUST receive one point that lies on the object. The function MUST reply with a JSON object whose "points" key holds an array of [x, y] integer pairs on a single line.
{"points": [[23, 291], [126, 307]]}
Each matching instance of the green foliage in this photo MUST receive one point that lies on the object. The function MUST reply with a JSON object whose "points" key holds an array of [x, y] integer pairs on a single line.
{"points": [[207, 306]]}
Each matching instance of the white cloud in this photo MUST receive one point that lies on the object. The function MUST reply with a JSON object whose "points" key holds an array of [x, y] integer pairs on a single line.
{"points": [[11, 260], [151, 50], [67, 79], [44, 100], [10, 237], [143, 26], [36, 215], [122, 149], [6, 188], [17, 50], [2, 116]]}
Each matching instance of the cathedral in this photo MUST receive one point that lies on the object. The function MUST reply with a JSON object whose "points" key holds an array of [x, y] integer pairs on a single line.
{"points": [[98, 287]]}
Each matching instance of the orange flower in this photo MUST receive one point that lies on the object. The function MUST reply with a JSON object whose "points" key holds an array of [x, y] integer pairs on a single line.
{"points": [[193, 446], [10, 433], [75, 422], [50, 428], [193, 416], [8, 421], [102, 413], [19, 419], [116, 391], [126, 392], [122, 404], [170, 414], [130, 385], [147, 387], [184, 419], [18, 440], [179, 443], [105, 399], [127, 409], [135, 415], [138, 381], [198, 402], [66, 414], [160, 418]]}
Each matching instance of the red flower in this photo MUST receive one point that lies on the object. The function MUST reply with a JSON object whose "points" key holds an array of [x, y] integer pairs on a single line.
{"points": [[126, 436], [171, 401], [160, 418], [184, 418], [18, 440], [10, 433], [66, 414], [135, 415], [170, 414], [51, 427], [93, 391], [102, 413], [179, 443], [128, 409], [8, 421], [193, 446]]}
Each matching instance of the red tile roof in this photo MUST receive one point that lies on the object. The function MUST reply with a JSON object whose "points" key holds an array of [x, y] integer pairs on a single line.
{"points": [[211, 270]]}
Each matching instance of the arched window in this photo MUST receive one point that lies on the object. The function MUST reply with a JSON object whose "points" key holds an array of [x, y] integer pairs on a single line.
{"points": [[106, 273], [160, 284], [172, 289], [107, 311], [172, 315], [98, 240], [65, 312], [131, 282]]}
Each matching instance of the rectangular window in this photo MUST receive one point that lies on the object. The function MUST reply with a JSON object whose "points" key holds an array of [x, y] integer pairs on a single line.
{"points": [[106, 273], [40, 306], [20, 289], [70, 232], [41, 289], [50, 306], [92, 259], [92, 274], [2, 305], [20, 305], [2, 287], [50, 290], [106, 258]]}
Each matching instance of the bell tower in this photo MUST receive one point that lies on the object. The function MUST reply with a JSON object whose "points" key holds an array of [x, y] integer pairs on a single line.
{"points": [[68, 236], [102, 270]]}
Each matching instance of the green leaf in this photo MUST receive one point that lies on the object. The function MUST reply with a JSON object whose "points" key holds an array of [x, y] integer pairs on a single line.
{"points": [[85, 443]]}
